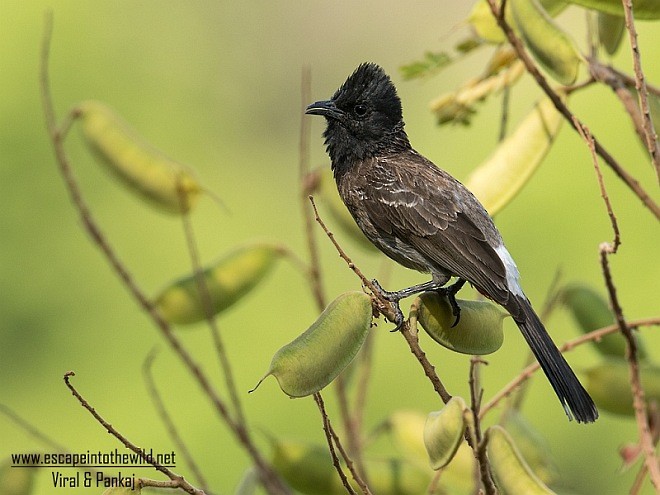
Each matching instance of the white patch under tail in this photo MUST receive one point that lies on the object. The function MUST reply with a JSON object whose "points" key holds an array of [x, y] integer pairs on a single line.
{"points": [[512, 275]]}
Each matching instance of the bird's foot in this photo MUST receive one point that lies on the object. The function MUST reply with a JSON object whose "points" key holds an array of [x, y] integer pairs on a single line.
{"points": [[394, 298], [450, 292]]}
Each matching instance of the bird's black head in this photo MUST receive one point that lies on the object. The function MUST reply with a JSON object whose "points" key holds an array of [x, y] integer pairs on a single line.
{"points": [[364, 117]]}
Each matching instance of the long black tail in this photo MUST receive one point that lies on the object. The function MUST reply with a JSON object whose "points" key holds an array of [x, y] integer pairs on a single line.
{"points": [[573, 396]]}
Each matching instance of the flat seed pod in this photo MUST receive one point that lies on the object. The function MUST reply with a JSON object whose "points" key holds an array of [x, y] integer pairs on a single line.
{"points": [[339, 213], [497, 180], [315, 358], [609, 385], [308, 469], [443, 432], [121, 491], [610, 31], [642, 9], [14, 481], [407, 431], [485, 26], [227, 280], [549, 44], [532, 446], [591, 312], [479, 330], [512, 473], [143, 169]]}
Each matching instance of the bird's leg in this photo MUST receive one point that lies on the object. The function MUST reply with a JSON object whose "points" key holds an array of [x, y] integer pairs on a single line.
{"points": [[450, 292], [395, 297]]}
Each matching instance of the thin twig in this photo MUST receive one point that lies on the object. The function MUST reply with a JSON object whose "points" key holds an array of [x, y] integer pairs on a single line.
{"points": [[179, 481], [639, 403], [594, 336], [207, 306], [269, 478], [642, 91], [307, 189], [589, 139], [171, 428], [479, 447], [331, 444], [533, 70]]}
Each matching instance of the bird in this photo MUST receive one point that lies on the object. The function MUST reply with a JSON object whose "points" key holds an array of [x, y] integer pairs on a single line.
{"points": [[424, 219]]}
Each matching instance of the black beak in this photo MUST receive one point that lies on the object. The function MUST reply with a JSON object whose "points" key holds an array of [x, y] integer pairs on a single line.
{"points": [[326, 108]]}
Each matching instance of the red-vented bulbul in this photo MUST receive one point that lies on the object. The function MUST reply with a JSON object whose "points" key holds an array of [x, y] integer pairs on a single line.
{"points": [[424, 219]]}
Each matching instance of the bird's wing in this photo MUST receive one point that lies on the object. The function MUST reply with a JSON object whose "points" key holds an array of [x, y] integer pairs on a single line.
{"points": [[424, 207]]}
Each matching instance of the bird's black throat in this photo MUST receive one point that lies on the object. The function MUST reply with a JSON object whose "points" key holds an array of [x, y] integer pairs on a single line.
{"points": [[345, 149]]}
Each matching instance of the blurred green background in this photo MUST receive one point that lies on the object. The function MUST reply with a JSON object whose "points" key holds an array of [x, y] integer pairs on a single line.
{"points": [[217, 85]]}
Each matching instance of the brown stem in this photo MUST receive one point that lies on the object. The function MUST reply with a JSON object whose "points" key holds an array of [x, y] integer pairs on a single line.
{"points": [[331, 444], [642, 91], [479, 446], [178, 480], [639, 403]]}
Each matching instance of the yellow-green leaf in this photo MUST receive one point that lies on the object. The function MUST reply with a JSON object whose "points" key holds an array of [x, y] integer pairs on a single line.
{"points": [[553, 48], [497, 180]]}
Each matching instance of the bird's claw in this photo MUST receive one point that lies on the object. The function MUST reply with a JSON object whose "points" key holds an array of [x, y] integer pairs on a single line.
{"points": [[393, 298]]}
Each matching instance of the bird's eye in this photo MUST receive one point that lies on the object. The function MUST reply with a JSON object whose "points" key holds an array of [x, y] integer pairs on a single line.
{"points": [[360, 110]]}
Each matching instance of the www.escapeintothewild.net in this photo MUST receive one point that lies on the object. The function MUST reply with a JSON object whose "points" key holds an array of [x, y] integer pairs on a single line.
{"points": [[89, 466]]}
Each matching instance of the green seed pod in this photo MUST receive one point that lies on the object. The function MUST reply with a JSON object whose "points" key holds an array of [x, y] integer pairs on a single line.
{"points": [[14, 481], [592, 312], [339, 213], [609, 385], [479, 330], [512, 473], [553, 48], [610, 31], [504, 173], [642, 9], [144, 170], [308, 469], [227, 280], [533, 447], [315, 358], [305, 467], [407, 431], [121, 491], [443, 432]]}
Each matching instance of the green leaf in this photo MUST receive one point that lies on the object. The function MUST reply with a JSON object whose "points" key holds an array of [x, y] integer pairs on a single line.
{"points": [[553, 48], [497, 181], [430, 64]]}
